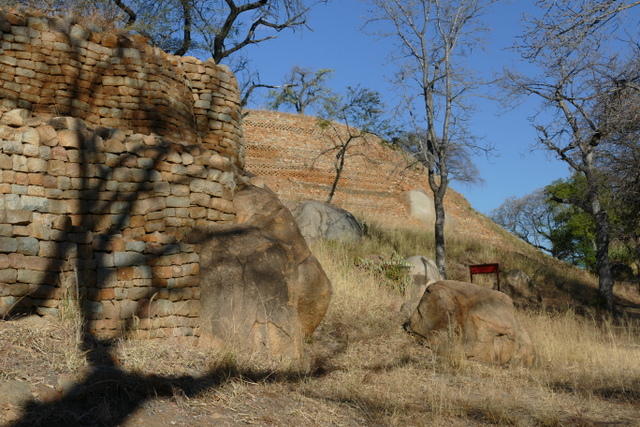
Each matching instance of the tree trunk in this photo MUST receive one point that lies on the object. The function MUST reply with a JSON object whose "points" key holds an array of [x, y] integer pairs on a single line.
{"points": [[441, 252], [601, 219], [603, 266], [339, 165]]}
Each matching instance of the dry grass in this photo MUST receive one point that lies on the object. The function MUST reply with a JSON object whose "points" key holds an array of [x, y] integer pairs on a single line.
{"points": [[367, 370], [587, 371]]}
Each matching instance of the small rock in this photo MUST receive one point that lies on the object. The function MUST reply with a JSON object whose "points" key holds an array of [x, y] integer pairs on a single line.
{"points": [[15, 393], [16, 118], [47, 393]]}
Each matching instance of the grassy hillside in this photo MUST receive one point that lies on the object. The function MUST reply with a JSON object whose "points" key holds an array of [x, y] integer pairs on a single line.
{"points": [[365, 369]]}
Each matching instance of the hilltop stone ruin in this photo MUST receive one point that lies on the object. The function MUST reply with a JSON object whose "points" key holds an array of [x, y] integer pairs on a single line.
{"points": [[112, 152]]}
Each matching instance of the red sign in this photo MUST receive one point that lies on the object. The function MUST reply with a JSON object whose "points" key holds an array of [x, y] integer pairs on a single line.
{"points": [[485, 269]]}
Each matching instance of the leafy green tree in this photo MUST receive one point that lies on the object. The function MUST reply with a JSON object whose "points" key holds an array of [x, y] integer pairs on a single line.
{"points": [[573, 235], [551, 220], [303, 88], [546, 221], [581, 77]]}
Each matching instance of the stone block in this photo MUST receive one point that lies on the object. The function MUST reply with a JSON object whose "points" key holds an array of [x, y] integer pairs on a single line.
{"points": [[127, 258], [17, 217], [35, 204], [5, 161], [145, 206], [178, 202], [27, 245], [8, 275], [70, 138], [140, 293], [29, 136], [111, 309], [32, 277], [17, 117], [39, 230], [12, 147], [128, 308], [94, 309], [222, 205]]}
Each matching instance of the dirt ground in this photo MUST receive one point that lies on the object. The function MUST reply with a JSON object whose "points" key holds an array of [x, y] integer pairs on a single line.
{"points": [[172, 383]]}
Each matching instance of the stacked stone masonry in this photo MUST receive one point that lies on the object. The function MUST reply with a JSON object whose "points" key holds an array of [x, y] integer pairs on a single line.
{"points": [[296, 155], [53, 67], [111, 152]]}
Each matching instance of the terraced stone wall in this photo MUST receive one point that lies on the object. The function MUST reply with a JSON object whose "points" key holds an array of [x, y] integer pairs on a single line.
{"points": [[54, 67], [295, 155], [111, 152]]}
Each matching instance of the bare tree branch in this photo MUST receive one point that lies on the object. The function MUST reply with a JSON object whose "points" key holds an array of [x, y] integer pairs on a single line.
{"points": [[433, 38]]}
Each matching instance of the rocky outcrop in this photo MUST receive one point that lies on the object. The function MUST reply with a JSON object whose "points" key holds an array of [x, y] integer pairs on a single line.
{"points": [[519, 286], [420, 205], [322, 221], [423, 272], [485, 320], [263, 292]]}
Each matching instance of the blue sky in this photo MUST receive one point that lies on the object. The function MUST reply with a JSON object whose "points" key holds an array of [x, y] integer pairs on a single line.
{"points": [[337, 42]]}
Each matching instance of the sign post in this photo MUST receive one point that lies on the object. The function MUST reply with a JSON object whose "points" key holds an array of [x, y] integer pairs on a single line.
{"points": [[485, 269]]}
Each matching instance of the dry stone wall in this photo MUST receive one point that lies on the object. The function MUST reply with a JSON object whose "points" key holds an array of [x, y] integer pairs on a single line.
{"points": [[111, 152], [54, 67], [293, 154]]}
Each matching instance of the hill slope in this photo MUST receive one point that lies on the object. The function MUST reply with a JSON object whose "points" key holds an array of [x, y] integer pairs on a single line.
{"points": [[295, 155]]}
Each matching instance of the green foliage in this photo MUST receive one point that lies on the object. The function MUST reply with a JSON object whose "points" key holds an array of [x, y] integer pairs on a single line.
{"points": [[303, 88], [572, 234], [361, 108], [394, 270], [555, 220]]}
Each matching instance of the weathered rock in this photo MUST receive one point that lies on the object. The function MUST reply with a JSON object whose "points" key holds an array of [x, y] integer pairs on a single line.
{"points": [[15, 118], [423, 272], [14, 392], [419, 205], [263, 292], [318, 220], [519, 287], [486, 320]]}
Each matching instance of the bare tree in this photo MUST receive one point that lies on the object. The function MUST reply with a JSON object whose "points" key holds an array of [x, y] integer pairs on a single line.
{"points": [[434, 38], [219, 28], [619, 163], [575, 46], [357, 118], [303, 88], [528, 217]]}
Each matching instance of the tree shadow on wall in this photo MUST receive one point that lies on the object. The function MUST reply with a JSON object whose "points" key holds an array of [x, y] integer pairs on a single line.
{"points": [[107, 395]]}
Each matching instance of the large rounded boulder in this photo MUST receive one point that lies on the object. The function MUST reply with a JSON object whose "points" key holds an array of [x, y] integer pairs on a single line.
{"points": [[485, 319], [322, 221], [262, 291]]}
